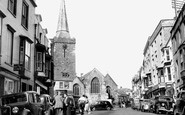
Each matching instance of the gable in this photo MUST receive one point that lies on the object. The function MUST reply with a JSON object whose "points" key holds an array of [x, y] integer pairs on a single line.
{"points": [[110, 82]]}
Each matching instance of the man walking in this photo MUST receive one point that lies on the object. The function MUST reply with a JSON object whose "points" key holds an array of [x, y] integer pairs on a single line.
{"points": [[58, 104]]}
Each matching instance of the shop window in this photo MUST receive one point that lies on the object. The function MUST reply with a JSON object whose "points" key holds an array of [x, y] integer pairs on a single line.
{"points": [[12, 6], [61, 85], [9, 86], [24, 21], [23, 87]]}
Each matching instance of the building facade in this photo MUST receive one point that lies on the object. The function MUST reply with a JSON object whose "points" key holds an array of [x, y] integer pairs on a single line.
{"points": [[99, 87], [178, 38], [16, 45], [157, 70], [43, 64], [24, 49]]}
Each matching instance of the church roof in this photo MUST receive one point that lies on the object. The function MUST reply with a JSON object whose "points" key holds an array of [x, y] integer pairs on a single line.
{"points": [[107, 75], [87, 74], [62, 27]]}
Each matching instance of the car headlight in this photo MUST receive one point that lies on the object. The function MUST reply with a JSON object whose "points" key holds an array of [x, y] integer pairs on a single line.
{"points": [[15, 110]]}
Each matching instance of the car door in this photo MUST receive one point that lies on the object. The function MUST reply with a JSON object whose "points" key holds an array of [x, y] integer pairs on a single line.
{"points": [[99, 105], [35, 104]]}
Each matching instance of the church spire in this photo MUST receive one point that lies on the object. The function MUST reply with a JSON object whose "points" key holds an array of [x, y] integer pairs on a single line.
{"points": [[62, 27]]}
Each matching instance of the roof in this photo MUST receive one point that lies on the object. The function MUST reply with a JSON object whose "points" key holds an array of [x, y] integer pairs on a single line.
{"points": [[107, 75]]}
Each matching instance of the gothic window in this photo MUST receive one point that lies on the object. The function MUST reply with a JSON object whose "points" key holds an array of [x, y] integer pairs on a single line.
{"points": [[76, 89], [95, 86]]}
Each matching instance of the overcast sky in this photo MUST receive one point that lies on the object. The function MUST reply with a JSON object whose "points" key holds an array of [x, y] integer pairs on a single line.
{"points": [[110, 34]]}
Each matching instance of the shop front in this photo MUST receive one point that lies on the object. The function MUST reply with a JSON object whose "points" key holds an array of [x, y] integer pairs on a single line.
{"points": [[9, 82]]}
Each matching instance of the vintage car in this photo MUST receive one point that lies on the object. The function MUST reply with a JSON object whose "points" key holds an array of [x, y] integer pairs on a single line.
{"points": [[24, 103], [101, 105], [136, 104], [163, 104], [145, 105], [47, 102], [179, 107]]}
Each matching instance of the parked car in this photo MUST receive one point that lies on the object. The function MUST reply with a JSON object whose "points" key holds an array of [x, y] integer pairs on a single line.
{"points": [[24, 103], [179, 107], [163, 104], [136, 104], [101, 105], [47, 102], [145, 105]]}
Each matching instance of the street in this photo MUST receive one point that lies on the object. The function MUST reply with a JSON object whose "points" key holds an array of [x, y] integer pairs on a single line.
{"points": [[120, 111]]}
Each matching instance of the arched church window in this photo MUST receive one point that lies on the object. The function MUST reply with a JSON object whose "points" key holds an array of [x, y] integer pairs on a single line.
{"points": [[95, 86], [76, 89]]}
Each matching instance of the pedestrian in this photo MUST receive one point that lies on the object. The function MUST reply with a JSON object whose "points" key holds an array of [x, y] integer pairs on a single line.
{"points": [[87, 106], [69, 105], [81, 101], [58, 107], [65, 104]]}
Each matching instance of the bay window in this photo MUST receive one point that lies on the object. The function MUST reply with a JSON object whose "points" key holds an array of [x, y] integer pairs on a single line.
{"points": [[25, 52]]}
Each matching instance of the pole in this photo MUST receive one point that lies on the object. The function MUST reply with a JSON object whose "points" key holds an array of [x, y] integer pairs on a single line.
{"points": [[175, 9]]}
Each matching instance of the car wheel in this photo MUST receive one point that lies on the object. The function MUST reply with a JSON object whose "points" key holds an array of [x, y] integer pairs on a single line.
{"points": [[175, 112], [157, 110], [108, 108]]}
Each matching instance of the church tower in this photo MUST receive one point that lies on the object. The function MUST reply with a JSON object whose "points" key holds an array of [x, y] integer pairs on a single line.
{"points": [[63, 54]]}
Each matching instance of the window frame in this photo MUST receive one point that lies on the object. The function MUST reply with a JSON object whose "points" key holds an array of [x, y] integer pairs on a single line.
{"points": [[39, 61], [25, 14], [23, 52], [95, 85], [12, 31], [168, 69], [12, 8], [76, 89]]}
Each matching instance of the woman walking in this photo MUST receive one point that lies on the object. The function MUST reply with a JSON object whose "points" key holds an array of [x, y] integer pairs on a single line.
{"points": [[87, 106]]}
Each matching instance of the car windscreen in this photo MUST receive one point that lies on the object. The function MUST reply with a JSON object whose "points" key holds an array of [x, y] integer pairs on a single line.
{"points": [[13, 99]]}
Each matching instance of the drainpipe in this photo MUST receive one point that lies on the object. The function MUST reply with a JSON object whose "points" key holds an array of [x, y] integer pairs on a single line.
{"points": [[2, 15], [34, 69]]}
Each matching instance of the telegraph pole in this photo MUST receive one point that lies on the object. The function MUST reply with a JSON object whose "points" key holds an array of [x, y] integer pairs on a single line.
{"points": [[177, 5]]}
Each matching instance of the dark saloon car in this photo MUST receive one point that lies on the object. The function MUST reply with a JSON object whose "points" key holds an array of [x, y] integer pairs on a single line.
{"points": [[101, 105], [163, 104], [47, 102], [24, 103], [179, 107], [145, 105]]}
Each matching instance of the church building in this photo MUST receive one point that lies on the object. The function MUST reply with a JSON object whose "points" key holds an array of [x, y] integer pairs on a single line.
{"points": [[98, 87], [93, 84]]}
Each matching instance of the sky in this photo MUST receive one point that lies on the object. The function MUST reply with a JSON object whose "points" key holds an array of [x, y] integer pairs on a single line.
{"points": [[110, 34]]}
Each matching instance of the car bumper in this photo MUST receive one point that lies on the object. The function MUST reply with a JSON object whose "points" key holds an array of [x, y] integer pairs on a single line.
{"points": [[166, 110]]}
